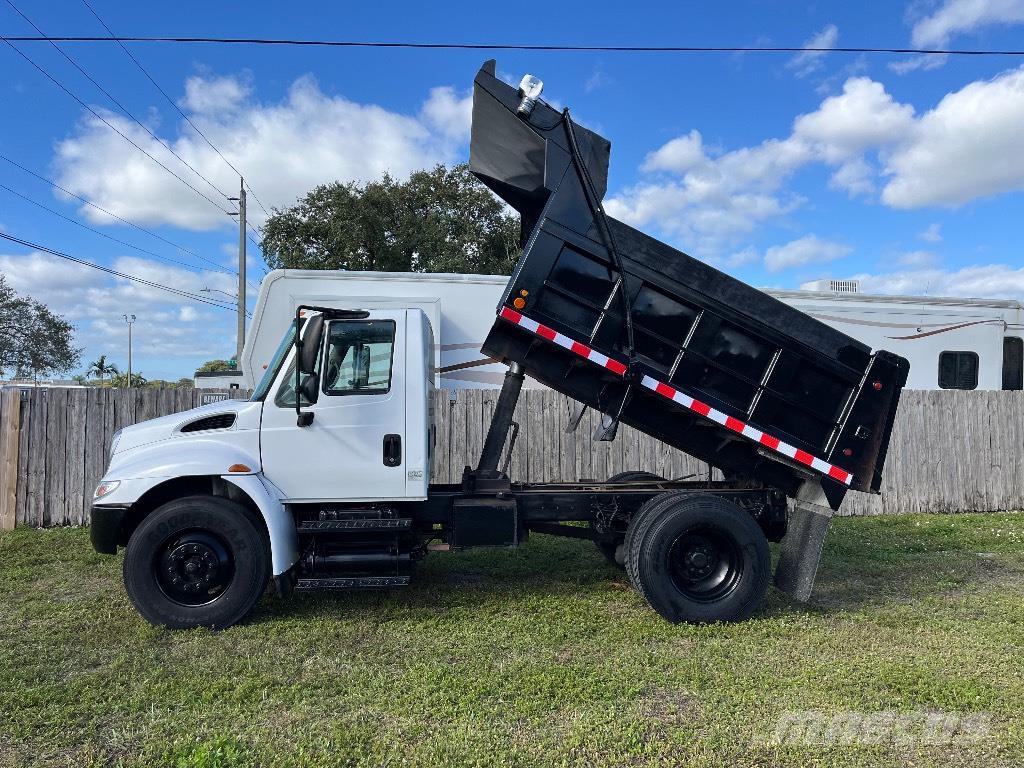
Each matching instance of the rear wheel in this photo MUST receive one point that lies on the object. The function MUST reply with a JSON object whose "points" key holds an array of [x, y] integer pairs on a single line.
{"points": [[698, 558], [612, 549], [197, 561]]}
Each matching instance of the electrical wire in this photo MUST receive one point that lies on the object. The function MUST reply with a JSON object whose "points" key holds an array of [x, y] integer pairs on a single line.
{"points": [[173, 104], [58, 214], [113, 215], [111, 126], [116, 273], [119, 105], [518, 46]]}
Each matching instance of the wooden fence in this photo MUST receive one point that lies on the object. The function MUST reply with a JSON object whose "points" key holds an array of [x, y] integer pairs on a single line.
{"points": [[951, 451]]}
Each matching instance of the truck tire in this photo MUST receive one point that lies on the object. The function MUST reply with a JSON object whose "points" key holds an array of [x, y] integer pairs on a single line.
{"points": [[198, 561], [611, 549], [698, 558]]}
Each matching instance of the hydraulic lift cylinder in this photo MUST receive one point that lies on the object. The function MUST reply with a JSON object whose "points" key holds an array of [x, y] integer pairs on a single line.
{"points": [[497, 433]]}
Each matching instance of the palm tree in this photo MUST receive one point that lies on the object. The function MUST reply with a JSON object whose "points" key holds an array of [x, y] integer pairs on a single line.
{"points": [[101, 368], [120, 380]]}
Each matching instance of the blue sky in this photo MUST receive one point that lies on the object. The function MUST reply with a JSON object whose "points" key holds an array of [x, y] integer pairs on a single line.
{"points": [[778, 168]]}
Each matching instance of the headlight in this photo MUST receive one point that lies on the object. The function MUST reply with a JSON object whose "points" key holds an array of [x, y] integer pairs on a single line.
{"points": [[114, 441], [105, 488]]}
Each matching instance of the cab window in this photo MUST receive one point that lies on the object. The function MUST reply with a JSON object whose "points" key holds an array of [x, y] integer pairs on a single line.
{"points": [[358, 358]]}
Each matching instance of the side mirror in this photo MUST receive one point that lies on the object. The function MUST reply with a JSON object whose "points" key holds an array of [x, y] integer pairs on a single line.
{"points": [[310, 389], [309, 348]]}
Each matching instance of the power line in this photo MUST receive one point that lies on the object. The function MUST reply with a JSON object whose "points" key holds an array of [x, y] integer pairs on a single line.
{"points": [[111, 126], [36, 203], [113, 215], [119, 105], [173, 103], [518, 46], [116, 273]]}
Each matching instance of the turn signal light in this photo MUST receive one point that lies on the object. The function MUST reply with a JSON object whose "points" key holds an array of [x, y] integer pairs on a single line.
{"points": [[239, 468], [519, 302]]}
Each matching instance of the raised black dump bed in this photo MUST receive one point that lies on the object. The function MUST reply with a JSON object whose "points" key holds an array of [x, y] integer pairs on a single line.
{"points": [[659, 340]]}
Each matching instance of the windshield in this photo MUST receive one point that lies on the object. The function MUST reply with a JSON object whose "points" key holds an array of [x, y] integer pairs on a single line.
{"points": [[275, 362]]}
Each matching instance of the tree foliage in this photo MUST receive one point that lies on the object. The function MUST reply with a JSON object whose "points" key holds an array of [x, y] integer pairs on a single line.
{"points": [[102, 369], [215, 366], [120, 380], [34, 342], [440, 220]]}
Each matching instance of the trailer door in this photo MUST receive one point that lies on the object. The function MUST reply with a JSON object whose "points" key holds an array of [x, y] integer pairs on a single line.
{"points": [[354, 449]]}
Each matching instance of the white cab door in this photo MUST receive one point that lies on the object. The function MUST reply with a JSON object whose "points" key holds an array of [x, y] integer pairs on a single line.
{"points": [[355, 447]]}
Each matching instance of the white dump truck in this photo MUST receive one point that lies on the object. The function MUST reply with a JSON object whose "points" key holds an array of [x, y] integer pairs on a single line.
{"points": [[321, 479]]}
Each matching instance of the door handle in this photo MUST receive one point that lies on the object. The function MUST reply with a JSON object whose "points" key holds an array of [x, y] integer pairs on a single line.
{"points": [[392, 450]]}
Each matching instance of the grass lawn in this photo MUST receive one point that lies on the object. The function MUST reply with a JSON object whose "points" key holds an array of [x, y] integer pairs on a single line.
{"points": [[541, 656]]}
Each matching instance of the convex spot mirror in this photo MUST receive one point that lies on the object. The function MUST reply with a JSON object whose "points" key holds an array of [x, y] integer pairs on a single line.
{"points": [[310, 389]]}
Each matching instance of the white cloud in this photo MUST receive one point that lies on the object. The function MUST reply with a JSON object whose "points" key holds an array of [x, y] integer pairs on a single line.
{"points": [[215, 94], [449, 112], [958, 16], [933, 234], [855, 177], [994, 281], [809, 249], [965, 148], [169, 329], [806, 62], [917, 259], [719, 198], [285, 149]]}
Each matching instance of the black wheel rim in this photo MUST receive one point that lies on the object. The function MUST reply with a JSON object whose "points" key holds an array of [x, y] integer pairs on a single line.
{"points": [[194, 567], [705, 564]]}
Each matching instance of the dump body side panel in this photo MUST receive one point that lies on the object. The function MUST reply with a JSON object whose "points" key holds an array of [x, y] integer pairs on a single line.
{"points": [[710, 365]]}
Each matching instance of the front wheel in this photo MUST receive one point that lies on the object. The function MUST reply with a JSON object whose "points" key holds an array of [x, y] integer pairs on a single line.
{"points": [[200, 561], [698, 558]]}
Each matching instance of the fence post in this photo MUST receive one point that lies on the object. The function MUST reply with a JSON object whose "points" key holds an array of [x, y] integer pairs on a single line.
{"points": [[10, 412]]}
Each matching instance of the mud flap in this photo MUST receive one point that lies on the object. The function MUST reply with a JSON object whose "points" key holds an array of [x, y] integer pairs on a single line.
{"points": [[801, 549]]}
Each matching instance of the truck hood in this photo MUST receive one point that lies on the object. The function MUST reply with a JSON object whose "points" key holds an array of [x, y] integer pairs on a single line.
{"points": [[198, 423]]}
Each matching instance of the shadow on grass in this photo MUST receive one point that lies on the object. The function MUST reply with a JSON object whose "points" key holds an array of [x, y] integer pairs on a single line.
{"points": [[866, 562]]}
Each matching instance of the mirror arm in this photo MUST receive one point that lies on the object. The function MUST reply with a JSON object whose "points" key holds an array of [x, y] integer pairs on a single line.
{"points": [[302, 418]]}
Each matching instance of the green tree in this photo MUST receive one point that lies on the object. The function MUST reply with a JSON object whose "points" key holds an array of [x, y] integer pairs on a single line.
{"points": [[34, 342], [441, 220], [120, 380], [101, 368], [215, 366]]}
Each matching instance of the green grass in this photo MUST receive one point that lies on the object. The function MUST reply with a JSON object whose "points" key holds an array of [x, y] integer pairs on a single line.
{"points": [[540, 656]]}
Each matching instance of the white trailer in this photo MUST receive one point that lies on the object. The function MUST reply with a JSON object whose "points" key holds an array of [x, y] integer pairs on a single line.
{"points": [[951, 343]]}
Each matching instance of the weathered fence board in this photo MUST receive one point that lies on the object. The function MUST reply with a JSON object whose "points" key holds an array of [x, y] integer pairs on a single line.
{"points": [[951, 451], [10, 430]]}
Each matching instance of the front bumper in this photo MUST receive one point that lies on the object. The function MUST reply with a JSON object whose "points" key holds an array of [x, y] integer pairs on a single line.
{"points": [[105, 528]]}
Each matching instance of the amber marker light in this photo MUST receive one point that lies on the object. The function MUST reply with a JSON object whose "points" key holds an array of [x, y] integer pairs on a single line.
{"points": [[239, 468], [519, 302]]}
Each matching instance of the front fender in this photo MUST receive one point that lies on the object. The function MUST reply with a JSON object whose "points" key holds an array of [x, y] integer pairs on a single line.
{"points": [[183, 458], [284, 540]]}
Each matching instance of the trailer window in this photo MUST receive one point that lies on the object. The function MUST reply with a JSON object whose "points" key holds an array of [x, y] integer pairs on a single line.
{"points": [[1013, 362], [958, 370], [358, 357]]}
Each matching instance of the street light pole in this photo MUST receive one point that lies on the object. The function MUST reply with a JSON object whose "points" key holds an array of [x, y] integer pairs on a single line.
{"points": [[130, 319]]}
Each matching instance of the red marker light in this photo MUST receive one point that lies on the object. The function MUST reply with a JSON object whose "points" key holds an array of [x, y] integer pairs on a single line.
{"points": [[847, 452], [877, 385]]}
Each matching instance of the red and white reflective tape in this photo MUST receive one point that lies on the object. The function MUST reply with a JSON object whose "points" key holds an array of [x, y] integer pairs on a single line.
{"points": [[564, 341], [680, 398]]}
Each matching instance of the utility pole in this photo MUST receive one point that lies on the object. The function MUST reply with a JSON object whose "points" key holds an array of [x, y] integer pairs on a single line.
{"points": [[130, 319], [241, 271]]}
